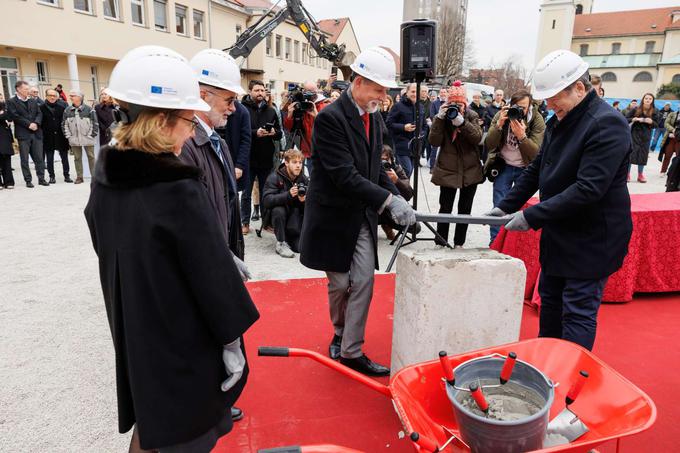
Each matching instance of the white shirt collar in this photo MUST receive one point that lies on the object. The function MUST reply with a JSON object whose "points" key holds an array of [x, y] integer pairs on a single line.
{"points": [[208, 130], [349, 93]]}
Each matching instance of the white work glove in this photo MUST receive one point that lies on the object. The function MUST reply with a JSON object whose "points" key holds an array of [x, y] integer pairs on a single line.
{"points": [[402, 213], [459, 120], [242, 269], [517, 222], [495, 212], [234, 363]]}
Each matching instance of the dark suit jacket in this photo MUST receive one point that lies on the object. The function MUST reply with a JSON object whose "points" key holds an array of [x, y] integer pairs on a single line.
{"points": [[581, 173], [23, 114], [347, 188], [237, 135]]}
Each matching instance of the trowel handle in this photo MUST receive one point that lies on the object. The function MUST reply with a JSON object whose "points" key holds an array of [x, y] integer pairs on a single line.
{"points": [[576, 387], [509, 364], [477, 394], [446, 367], [423, 442]]}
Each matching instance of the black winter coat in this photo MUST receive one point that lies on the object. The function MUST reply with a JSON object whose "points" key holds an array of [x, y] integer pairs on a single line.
{"points": [[641, 134], [348, 188], [401, 114], [6, 137], [580, 173], [277, 193], [262, 149], [491, 111], [237, 135], [172, 292], [105, 119], [53, 134], [23, 114]]}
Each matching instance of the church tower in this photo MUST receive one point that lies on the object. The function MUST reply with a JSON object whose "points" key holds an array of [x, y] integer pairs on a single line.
{"points": [[556, 24]]}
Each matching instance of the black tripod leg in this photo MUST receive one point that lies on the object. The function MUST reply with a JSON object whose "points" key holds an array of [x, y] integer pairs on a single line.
{"points": [[396, 249], [437, 235]]}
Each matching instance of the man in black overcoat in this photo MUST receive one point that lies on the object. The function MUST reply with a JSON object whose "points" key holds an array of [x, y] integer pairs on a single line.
{"points": [[53, 134], [346, 194], [580, 173]]}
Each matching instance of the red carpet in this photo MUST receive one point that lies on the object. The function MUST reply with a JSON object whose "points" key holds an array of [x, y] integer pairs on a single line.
{"points": [[295, 401]]}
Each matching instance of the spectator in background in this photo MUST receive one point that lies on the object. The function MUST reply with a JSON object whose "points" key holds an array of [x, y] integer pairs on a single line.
{"points": [[660, 127], [670, 144], [34, 93], [616, 104], [104, 111], [596, 81], [283, 201], [631, 107], [25, 112], [80, 127], [53, 134], [62, 94], [385, 108], [401, 124], [600, 92], [434, 109], [493, 108], [397, 98], [398, 177], [426, 149], [335, 95], [238, 138], [513, 145], [6, 147], [264, 130], [642, 120]]}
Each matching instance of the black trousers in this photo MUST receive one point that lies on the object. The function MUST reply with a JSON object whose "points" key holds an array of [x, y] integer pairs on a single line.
{"points": [[446, 197], [246, 197], [49, 159], [6, 177], [32, 146], [569, 308], [284, 229]]}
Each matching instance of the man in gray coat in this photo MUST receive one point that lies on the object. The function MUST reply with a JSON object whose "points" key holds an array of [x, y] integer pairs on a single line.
{"points": [[80, 127]]}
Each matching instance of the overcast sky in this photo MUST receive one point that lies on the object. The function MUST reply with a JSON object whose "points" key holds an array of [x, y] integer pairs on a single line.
{"points": [[499, 28]]}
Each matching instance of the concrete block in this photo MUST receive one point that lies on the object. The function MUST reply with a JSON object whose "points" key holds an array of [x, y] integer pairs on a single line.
{"points": [[454, 300]]}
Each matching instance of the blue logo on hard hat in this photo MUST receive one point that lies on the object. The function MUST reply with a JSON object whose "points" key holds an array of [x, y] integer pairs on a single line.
{"points": [[361, 65], [156, 90], [205, 72]]}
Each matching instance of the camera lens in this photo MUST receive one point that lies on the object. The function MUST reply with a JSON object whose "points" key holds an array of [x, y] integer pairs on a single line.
{"points": [[452, 112]]}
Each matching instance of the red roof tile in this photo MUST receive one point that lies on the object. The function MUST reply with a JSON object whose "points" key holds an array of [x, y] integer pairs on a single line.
{"points": [[622, 23]]}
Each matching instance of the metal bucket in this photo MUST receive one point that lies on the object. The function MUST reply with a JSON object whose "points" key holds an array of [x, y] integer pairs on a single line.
{"points": [[485, 435]]}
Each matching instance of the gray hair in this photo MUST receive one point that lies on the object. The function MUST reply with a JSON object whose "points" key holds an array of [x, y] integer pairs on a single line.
{"points": [[76, 93], [584, 79]]}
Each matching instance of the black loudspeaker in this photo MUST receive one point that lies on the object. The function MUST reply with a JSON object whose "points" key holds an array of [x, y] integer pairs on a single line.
{"points": [[418, 50]]}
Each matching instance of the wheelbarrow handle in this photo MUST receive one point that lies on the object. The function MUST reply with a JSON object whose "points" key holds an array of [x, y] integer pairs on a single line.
{"points": [[423, 442], [576, 387], [273, 351], [509, 364], [447, 368]]}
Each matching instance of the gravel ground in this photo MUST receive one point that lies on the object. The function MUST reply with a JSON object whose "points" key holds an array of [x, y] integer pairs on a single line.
{"points": [[58, 391]]}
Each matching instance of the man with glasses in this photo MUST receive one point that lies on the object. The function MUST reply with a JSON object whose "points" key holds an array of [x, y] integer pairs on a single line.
{"points": [[53, 135], [80, 127], [493, 108]]}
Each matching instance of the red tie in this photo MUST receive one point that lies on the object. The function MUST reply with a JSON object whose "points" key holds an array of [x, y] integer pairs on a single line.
{"points": [[367, 126]]}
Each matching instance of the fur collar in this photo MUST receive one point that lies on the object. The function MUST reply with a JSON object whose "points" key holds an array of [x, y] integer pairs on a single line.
{"points": [[130, 168]]}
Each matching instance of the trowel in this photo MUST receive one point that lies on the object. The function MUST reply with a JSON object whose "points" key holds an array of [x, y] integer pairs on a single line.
{"points": [[567, 424]]}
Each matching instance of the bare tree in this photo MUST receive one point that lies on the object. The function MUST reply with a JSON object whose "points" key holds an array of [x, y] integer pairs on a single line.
{"points": [[450, 44], [469, 57], [511, 75]]}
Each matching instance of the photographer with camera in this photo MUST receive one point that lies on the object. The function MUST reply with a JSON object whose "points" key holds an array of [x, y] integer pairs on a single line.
{"points": [[457, 132], [401, 124], [513, 141], [265, 130], [304, 103], [283, 203], [399, 178]]}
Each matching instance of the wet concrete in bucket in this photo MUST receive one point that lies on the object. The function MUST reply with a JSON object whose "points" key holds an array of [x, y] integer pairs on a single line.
{"points": [[509, 402]]}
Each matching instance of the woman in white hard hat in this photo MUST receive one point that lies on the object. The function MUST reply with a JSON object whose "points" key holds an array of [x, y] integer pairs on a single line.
{"points": [[580, 173], [175, 301]]}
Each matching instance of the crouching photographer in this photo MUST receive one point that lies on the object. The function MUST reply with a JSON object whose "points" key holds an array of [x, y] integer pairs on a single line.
{"points": [[283, 201], [513, 141], [456, 130], [399, 178]]}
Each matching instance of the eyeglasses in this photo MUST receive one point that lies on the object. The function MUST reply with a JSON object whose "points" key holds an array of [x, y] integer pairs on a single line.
{"points": [[194, 123], [229, 101]]}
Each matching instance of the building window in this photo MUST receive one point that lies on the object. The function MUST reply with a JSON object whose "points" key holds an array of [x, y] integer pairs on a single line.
{"points": [[94, 74], [268, 44], [649, 46], [49, 2], [278, 46], [579, 9], [137, 12], [296, 51], [238, 31], [616, 48], [82, 6], [584, 50], [676, 79], [181, 19], [554, 23], [111, 9], [609, 77], [41, 67], [198, 24], [160, 15], [643, 76], [288, 48], [305, 53]]}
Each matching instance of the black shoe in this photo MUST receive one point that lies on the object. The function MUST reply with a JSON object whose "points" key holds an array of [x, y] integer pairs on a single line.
{"points": [[236, 414], [256, 214], [42, 182], [366, 366], [52, 180], [30, 185], [67, 179], [334, 347]]}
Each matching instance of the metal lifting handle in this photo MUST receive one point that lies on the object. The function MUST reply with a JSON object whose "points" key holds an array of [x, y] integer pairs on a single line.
{"points": [[462, 218]]}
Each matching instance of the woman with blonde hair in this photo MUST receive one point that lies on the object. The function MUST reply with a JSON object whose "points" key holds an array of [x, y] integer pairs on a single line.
{"points": [[175, 301]]}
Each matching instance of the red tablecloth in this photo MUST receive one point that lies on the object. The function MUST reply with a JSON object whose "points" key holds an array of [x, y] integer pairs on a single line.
{"points": [[653, 261]]}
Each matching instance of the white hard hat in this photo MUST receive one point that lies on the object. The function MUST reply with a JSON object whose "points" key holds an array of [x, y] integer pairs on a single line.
{"points": [[555, 72], [155, 76], [218, 69], [378, 65]]}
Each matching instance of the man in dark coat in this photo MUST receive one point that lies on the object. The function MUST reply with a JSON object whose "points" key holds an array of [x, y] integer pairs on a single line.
{"points": [[27, 117], [401, 122], [53, 135], [104, 111], [6, 147], [493, 108], [348, 191], [264, 130], [580, 173], [237, 135]]}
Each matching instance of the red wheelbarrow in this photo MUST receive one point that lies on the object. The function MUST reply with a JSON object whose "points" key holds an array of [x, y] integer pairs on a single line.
{"points": [[611, 406]]}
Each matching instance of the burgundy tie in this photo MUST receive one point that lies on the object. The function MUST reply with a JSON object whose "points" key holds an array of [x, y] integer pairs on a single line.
{"points": [[367, 126]]}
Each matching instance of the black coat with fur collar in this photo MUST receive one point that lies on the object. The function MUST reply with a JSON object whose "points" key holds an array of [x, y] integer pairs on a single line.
{"points": [[173, 295]]}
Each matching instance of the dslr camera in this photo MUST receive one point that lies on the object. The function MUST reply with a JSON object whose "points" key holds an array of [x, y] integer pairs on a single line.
{"points": [[515, 112], [452, 112], [386, 164], [302, 100], [302, 189]]}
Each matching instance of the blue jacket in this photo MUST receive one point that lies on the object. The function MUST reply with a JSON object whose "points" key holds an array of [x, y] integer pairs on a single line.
{"points": [[580, 173], [237, 136], [401, 114]]}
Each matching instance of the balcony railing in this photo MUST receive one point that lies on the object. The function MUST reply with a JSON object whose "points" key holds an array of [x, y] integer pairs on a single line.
{"points": [[632, 60]]}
